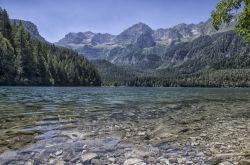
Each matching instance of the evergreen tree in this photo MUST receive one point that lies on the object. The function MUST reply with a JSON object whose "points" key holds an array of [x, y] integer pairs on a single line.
{"points": [[25, 61], [7, 70], [5, 26]]}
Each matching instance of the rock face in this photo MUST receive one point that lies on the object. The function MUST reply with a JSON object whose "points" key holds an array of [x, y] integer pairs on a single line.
{"points": [[139, 34], [31, 28], [139, 45], [100, 38], [188, 31], [77, 38], [178, 32], [125, 48], [145, 40], [86, 38]]}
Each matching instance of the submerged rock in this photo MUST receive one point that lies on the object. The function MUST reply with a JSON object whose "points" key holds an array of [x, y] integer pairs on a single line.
{"points": [[165, 161], [86, 158], [58, 152], [244, 162], [225, 163], [134, 161]]}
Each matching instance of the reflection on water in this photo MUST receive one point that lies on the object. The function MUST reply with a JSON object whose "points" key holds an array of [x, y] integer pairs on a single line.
{"points": [[28, 112]]}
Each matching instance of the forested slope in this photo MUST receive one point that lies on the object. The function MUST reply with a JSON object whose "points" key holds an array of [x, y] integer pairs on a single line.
{"points": [[26, 61], [220, 60]]}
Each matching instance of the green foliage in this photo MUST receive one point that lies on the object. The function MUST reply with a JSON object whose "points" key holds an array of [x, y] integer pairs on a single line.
{"points": [[244, 22], [116, 75], [223, 13], [210, 78], [220, 60], [5, 27], [25, 61], [30, 28], [7, 58]]}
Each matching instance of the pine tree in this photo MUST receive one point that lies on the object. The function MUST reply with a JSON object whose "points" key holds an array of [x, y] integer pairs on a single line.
{"points": [[5, 26], [41, 66], [26, 61], [7, 59]]}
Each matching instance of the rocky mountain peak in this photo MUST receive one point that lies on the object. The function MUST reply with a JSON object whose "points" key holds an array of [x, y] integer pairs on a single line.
{"points": [[139, 34], [89, 34], [101, 38], [77, 38], [137, 29], [138, 42]]}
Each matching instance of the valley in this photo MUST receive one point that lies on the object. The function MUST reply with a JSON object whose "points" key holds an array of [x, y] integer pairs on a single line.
{"points": [[188, 55], [185, 55], [128, 84]]}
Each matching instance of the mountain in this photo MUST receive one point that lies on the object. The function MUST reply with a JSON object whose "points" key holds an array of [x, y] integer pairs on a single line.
{"points": [[76, 40], [100, 38], [185, 55], [221, 59], [219, 51], [125, 48], [138, 46], [185, 32], [140, 35], [30, 28]]}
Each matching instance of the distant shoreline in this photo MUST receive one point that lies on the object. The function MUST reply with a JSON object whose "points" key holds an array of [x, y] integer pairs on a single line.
{"points": [[106, 86]]}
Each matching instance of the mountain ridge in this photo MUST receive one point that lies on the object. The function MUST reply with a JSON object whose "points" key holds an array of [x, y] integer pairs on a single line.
{"points": [[204, 57], [138, 44], [185, 55], [183, 30]]}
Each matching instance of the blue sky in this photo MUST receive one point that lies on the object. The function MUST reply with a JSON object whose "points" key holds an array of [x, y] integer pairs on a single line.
{"points": [[55, 18]]}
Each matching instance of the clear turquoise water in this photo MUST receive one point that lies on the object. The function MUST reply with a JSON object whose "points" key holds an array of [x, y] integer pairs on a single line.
{"points": [[33, 111]]}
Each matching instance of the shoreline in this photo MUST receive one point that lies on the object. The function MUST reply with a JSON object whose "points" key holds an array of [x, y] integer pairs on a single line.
{"points": [[124, 86]]}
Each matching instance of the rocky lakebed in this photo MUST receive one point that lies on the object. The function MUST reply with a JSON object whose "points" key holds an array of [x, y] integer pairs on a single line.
{"points": [[185, 132]]}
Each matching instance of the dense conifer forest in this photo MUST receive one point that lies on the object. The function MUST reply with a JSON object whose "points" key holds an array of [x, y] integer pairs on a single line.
{"points": [[26, 61], [219, 60]]}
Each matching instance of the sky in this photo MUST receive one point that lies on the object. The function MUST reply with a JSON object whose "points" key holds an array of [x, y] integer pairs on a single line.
{"points": [[55, 18]]}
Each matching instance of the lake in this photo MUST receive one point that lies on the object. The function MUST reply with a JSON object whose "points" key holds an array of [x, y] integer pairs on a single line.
{"points": [[105, 125]]}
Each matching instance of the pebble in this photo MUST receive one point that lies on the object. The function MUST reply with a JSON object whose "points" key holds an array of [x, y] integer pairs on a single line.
{"points": [[189, 162], [58, 152], [97, 162], [151, 160], [165, 161], [111, 159], [225, 163], [134, 161], [88, 157], [181, 160], [60, 162]]}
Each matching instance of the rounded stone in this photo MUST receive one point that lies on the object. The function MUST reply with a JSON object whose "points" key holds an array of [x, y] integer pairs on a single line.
{"points": [[134, 161], [88, 157]]}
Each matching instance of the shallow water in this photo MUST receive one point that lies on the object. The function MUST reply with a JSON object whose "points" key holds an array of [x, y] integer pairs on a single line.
{"points": [[32, 114], [46, 109]]}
